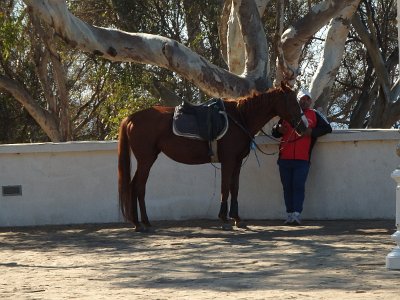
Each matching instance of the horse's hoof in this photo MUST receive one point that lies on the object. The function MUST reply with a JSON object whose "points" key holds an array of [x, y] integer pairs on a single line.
{"points": [[146, 223], [144, 229], [227, 226], [149, 229], [140, 229], [240, 224]]}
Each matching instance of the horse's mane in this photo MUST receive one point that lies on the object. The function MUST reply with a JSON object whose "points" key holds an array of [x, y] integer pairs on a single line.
{"points": [[258, 100]]}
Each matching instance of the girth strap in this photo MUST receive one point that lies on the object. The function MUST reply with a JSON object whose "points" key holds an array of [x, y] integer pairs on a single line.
{"points": [[214, 151]]}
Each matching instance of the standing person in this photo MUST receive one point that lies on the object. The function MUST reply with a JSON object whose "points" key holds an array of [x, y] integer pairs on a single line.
{"points": [[295, 154]]}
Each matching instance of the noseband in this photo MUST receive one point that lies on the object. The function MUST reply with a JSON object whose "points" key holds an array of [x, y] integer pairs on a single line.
{"points": [[302, 116], [294, 125]]}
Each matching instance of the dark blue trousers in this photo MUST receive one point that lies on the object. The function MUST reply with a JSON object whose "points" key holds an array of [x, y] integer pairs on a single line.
{"points": [[293, 177]]}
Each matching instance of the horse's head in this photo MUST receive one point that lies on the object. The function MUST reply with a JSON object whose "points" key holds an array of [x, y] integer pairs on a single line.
{"points": [[290, 110]]}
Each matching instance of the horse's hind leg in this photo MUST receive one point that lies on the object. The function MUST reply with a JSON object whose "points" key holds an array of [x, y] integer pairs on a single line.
{"points": [[134, 202], [142, 174]]}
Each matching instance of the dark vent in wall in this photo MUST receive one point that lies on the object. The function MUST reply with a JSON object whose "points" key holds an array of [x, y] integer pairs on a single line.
{"points": [[11, 190]]}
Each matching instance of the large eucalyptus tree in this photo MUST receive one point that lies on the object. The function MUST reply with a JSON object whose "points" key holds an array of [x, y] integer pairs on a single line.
{"points": [[243, 38], [255, 59]]}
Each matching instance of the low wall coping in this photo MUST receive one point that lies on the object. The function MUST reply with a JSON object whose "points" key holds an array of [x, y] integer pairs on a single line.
{"points": [[339, 135]]}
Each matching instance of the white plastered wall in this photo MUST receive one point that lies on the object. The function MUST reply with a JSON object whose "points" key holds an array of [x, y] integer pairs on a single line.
{"points": [[72, 183]]}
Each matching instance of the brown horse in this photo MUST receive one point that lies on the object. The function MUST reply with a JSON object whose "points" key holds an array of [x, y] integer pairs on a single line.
{"points": [[149, 132]]}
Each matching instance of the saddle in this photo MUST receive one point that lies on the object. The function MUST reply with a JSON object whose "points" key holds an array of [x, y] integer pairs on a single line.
{"points": [[207, 121]]}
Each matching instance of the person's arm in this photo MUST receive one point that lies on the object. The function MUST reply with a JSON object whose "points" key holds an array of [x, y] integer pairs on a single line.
{"points": [[323, 127]]}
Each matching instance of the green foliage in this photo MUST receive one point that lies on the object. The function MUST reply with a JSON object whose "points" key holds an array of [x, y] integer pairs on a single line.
{"points": [[102, 93], [11, 32], [16, 125]]}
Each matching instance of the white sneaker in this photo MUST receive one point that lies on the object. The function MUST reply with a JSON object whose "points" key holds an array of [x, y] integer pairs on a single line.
{"points": [[296, 218], [289, 219]]}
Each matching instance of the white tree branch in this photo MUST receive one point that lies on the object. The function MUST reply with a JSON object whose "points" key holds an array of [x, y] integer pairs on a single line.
{"points": [[236, 17], [375, 55], [44, 118], [294, 38], [254, 39], [331, 57], [141, 48]]}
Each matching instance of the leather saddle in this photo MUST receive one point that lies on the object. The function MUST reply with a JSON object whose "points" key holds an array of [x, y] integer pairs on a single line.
{"points": [[207, 121]]}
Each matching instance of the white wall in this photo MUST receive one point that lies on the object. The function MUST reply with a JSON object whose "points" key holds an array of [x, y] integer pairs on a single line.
{"points": [[71, 183]]}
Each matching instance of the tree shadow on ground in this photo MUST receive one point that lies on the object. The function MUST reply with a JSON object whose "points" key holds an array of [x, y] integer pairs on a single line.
{"points": [[341, 254]]}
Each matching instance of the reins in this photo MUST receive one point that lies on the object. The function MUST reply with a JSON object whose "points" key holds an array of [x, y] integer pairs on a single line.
{"points": [[283, 143], [253, 144]]}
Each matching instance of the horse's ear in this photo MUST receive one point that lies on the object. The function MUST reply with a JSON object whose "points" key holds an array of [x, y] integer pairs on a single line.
{"points": [[284, 86]]}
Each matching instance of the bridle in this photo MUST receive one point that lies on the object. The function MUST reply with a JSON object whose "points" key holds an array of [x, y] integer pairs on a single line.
{"points": [[294, 126], [301, 119], [282, 144], [253, 144]]}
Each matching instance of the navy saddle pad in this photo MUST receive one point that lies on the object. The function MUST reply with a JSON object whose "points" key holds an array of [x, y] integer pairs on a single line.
{"points": [[207, 121]]}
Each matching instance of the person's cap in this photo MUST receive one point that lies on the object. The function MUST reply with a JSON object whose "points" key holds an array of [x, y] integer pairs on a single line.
{"points": [[303, 93]]}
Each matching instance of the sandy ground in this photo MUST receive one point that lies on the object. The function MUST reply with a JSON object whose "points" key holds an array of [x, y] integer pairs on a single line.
{"points": [[197, 260]]}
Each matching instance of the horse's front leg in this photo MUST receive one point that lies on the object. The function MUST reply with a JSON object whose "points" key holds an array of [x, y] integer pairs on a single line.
{"points": [[234, 191], [226, 174]]}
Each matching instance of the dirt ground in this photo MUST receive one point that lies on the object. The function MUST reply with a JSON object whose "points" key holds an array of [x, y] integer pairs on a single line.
{"points": [[198, 260]]}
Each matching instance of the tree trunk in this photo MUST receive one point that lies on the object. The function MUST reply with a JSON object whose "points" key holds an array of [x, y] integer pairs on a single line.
{"points": [[294, 38], [331, 58], [385, 100], [49, 65], [369, 91], [43, 117]]}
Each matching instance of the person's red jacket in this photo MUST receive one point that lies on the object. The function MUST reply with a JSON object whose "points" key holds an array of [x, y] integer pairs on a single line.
{"points": [[293, 146]]}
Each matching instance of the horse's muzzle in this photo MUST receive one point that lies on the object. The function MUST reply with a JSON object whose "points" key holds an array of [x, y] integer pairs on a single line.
{"points": [[301, 125]]}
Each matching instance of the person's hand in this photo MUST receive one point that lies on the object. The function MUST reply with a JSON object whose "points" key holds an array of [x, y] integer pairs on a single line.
{"points": [[307, 132]]}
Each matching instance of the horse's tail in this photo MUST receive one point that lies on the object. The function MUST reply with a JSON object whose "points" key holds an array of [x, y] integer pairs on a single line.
{"points": [[124, 172]]}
